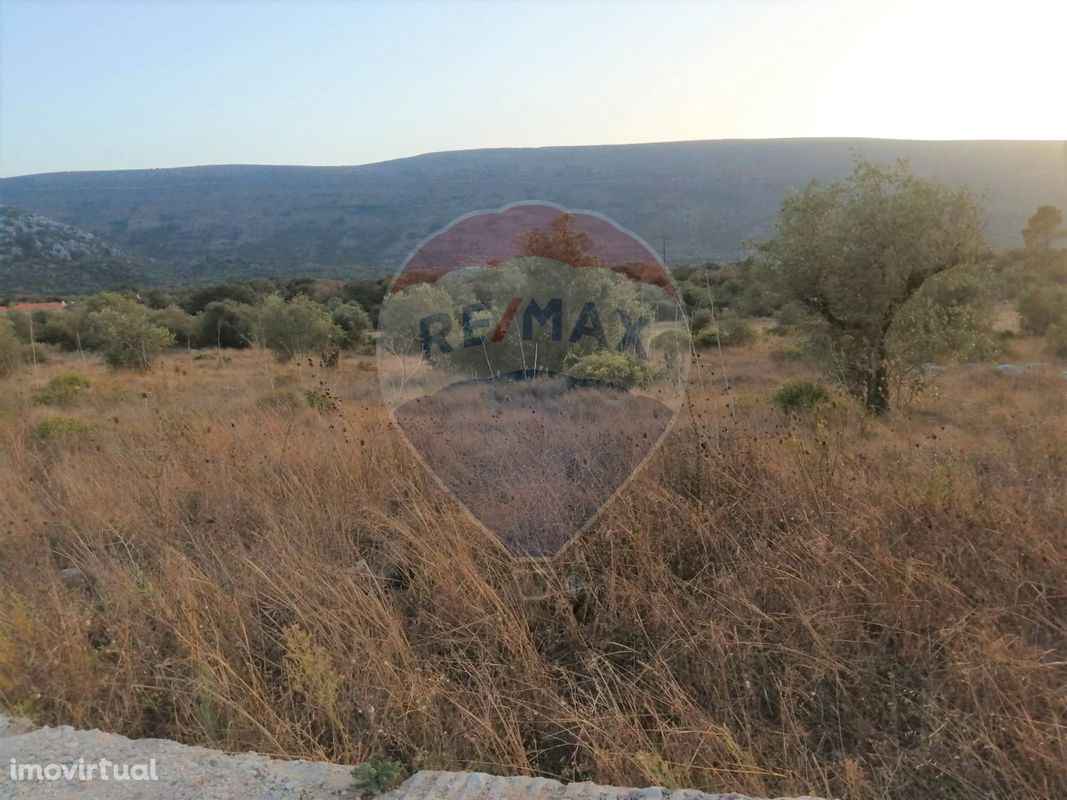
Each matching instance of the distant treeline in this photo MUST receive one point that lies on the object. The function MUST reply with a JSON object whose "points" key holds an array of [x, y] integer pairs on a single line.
{"points": [[129, 328]]}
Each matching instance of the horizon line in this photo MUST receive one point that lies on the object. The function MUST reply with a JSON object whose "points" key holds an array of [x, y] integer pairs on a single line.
{"points": [[545, 147]]}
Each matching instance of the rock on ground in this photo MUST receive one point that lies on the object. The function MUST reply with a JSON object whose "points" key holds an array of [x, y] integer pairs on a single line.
{"points": [[479, 786], [196, 773]]}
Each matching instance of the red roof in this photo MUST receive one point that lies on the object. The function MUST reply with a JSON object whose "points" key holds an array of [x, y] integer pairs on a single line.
{"points": [[34, 307]]}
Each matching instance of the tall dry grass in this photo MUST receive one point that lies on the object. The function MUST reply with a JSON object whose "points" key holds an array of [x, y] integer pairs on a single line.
{"points": [[833, 605]]}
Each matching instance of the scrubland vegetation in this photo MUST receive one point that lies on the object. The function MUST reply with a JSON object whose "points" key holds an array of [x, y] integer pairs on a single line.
{"points": [[799, 593], [826, 603]]}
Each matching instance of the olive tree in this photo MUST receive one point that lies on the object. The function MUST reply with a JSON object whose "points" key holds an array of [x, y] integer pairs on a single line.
{"points": [[300, 325], [352, 320], [123, 331], [853, 253]]}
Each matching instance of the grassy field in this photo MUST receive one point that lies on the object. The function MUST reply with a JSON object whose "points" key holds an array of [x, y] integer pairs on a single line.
{"points": [[829, 604]]}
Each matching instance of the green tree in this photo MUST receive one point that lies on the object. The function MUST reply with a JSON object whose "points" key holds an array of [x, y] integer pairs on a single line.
{"points": [[68, 329], [368, 294], [1043, 229], [353, 322], [123, 331], [174, 319], [950, 316], [226, 323], [855, 252], [297, 326], [1041, 307], [235, 292]]}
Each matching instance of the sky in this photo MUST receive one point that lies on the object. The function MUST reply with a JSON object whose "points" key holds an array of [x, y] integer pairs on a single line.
{"points": [[114, 85]]}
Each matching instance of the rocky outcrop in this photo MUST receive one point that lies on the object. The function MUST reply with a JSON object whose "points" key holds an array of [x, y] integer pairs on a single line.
{"points": [[178, 772], [28, 237], [479, 786]]}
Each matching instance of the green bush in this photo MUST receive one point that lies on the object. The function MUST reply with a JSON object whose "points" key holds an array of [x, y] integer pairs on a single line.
{"points": [[51, 428], [674, 344], [702, 319], [320, 400], [124, 333], [297, 326], [705, 339], [736, 331], [791, 352], [675, 339], [13, 352], [62, 390], [377, 776], [795, 397], [225, 323], [730, 332], [36, 353], [182, 327], [1041, 307], [618, 369], [352, 321]]}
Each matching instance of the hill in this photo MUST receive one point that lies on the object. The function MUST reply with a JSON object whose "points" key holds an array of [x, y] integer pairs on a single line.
{"points": [[39, 254], [702, 199]]}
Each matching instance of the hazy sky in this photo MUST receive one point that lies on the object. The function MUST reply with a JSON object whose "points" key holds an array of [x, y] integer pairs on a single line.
{"points": [[90, 85]]}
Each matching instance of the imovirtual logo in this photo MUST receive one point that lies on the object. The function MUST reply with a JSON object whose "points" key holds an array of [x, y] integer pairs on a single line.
{"points": [[534, 358]]}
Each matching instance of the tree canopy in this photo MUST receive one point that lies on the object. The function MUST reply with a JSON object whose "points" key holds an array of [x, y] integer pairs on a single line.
{"points": [[854, 252]]}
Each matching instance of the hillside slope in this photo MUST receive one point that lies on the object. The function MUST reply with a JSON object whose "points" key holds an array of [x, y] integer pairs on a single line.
{"points": [[703, 200], [39, 254]]}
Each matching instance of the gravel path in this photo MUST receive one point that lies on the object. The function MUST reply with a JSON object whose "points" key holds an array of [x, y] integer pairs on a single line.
{"points": [[195, 773]]}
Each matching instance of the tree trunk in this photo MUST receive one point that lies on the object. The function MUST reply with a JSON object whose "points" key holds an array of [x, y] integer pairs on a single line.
{"points": [[877, 401]]}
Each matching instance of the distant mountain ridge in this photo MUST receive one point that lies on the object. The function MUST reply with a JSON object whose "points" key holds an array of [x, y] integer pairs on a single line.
{"points": [[700, 200]]}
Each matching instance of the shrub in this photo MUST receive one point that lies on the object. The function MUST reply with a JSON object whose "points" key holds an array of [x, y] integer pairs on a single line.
{"points": [[703, 340], [353, 322], [702, 319], [736, 331], [13, 353], [297, 326], [225, 323], [181, 326], [672, 339], [794, 397], [1041, 307], [618, 369], [320, 400], [673, 344], [377, 776], [36, 353], [729, 332], [62, 390], [792, 352], [124, 333], [65, 329], [51, 428]]}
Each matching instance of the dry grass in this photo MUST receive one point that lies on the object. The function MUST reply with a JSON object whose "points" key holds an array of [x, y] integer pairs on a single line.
{"points": [[835, 605]]}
